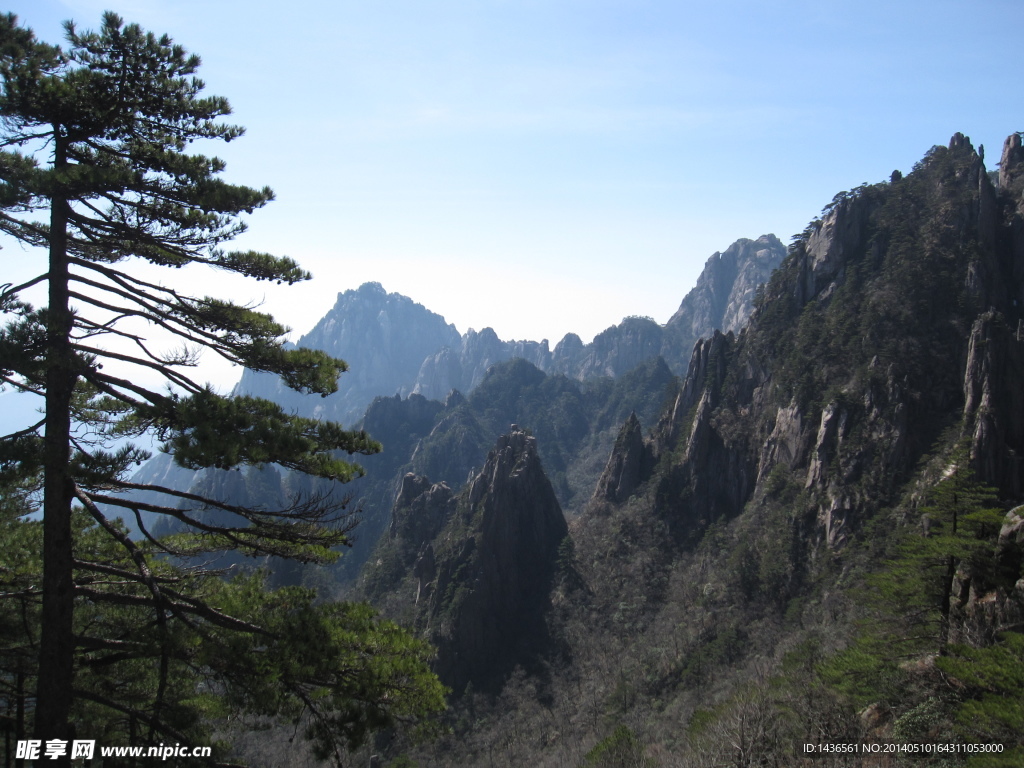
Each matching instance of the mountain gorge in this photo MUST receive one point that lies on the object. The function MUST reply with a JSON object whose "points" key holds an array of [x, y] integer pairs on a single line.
{"points": [[708, 604], [787, 516], [453, 394]]}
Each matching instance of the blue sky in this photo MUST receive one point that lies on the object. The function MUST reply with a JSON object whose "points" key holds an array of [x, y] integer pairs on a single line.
{"points": [[544, 167]]}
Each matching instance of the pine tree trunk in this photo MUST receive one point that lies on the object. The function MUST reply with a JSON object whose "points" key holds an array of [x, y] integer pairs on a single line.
{"points": [[19, 715], [56, 646]]}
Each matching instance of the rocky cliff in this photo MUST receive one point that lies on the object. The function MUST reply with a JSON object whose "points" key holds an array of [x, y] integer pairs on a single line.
{"points": [[895, 318], [479, 568], [723, 297], [630, 462]]}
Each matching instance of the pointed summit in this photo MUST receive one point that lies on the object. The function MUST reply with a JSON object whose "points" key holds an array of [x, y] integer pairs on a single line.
{"points": [[627, 465], [495, 563]]}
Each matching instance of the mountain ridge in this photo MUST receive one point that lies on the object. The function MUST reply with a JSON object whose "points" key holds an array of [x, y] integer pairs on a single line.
{"points": [[394, 345]]}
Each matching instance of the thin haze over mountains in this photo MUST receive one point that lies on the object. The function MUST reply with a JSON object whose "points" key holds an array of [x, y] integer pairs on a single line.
{"points": [[547, 167]]}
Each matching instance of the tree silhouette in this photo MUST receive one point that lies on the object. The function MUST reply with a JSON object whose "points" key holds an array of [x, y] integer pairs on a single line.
{"points": [[96, 137]]}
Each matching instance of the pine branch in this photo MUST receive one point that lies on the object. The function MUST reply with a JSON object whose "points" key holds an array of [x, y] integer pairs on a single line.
{"points": [[260, 538], [106, 384], [33, 430], [175, 377], [10, 291]]}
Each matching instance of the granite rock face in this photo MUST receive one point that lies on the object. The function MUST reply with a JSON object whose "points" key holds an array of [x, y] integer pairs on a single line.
{"points": [[617, 350], [723, 297], [463, 365], [630, 461], [384, 337], [980, 610], [801, 397], [1011, 165], [1011, 192], [483, 580], [421, 509], [993, 401]]}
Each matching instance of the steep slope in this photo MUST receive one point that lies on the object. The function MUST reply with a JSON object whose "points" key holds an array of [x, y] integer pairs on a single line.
{"points": [[501, 551], [483, 563], [715, 563], [723, 297], [888, 337], [888, 323]]}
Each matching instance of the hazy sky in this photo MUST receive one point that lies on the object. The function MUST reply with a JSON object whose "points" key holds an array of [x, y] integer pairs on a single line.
{"points": [[544, 167]]}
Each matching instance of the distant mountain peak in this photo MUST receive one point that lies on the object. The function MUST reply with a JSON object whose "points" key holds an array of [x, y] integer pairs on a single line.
{"points": [[370, 287], [396, 345], [723, 297]]}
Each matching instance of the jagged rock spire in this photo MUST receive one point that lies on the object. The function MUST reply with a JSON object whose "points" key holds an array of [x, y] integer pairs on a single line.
{"points": [[484, 581], [627, 464]]}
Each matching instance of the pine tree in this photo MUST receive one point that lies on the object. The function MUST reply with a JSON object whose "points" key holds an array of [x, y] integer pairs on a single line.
{"points": [[992, 680], [911, 599], [21, 544], [958, 531], [95, 137], [224, 648]]}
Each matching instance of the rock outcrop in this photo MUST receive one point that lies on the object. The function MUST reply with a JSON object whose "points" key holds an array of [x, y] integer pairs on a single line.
{"points": [[629, 463], [723, 297], [1011, 164], [981, 610], [722, 300], [1011, 196], [994, 401], [877, 329], [483, 581], [617, 349], [465, 364], [421, 510]]}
